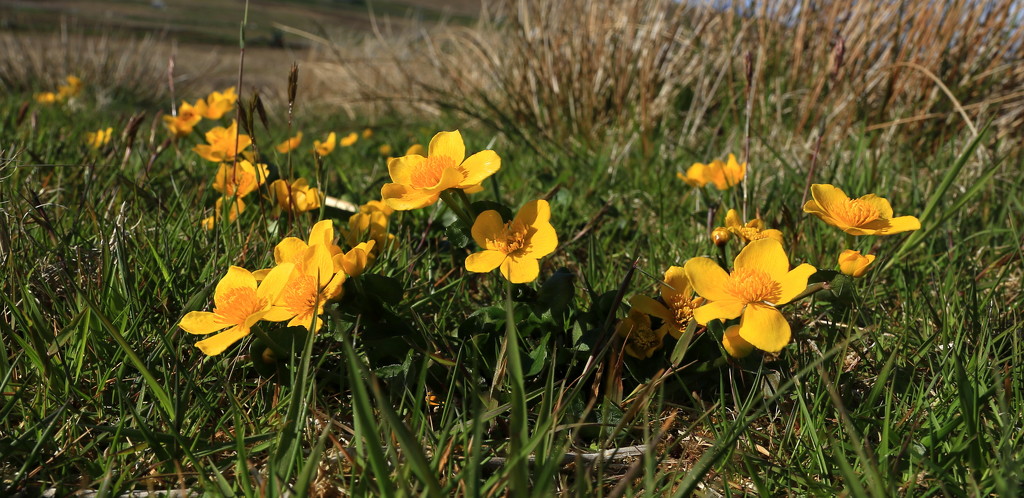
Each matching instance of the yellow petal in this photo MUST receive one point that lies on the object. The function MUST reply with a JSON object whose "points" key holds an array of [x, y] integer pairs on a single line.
{"points": [[534, 213], [201, 322], [479, 166], [274, 282], [488, 225], [647, 305], [543, 241], [708, 279], [484, 261], [278, 314], [236, 277], [828, 197], [404, 198], [318, 264], [448, 143], [217, 344], [402, 168], [259, 275], [901, 224], [766, 255], [736, 346], [732, 219], [290, 249], [794, 282], [764, 327], [718, 310], [333, 289], [879, 203], [520, 270], [675, 284]]}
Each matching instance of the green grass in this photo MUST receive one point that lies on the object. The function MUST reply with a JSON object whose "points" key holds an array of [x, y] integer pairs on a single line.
{"points": [[906, 386]]}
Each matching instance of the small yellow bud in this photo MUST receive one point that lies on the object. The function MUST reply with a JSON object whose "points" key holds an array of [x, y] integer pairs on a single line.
{"points": [[720, 236], [852, 263]]}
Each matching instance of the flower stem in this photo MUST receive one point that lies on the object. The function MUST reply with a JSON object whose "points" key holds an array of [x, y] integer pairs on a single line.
{"points": [[851, 242], [453, 204]]}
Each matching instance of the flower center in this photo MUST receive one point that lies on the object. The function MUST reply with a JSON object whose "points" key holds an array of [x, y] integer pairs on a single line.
{"points": [[300, 296], [751, 285], [238, 304], [428, 173], [856, 213], [512, 238], [682, 309], [643, 339]]}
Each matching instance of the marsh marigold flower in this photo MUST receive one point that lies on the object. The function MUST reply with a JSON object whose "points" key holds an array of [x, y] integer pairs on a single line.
{"points": [[867, 215], [516, 246], [99, 138], [309, 287], [46, 98], [854, 264], [371, 225], [349, 140], [236, 208], [751, 230], [419, 181], [239, 179], [367, 133], [223, 144], [297, 196], [293, 249], [217, 103], [723, 175], [641, 341], [182, 124], [358, 259], [327, 146], [760, 281], [290, 144], [677, 302], [239, 302]]}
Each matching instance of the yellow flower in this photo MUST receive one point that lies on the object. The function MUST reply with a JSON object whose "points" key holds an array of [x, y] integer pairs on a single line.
{"points": [[349, 140], [372, 206], [239, 304], [310, 286], [99, 138], [867, 215], [640, 341], [72, 88], [723, 175], [236, 208], [419, 181], [385, 150], [852, 263], [372, 225], [760, 281], [367, 133], [677, 302], [325, 147], [46, 98], [514, 247], [736, 346], [293, 249], [358, 259], [181, 125], [222, 144], [751, 231], [217, 103], [290, 144], [240, 178], [297, 196]]}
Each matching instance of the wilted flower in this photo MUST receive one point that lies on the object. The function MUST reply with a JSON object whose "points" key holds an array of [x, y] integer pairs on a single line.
{"points": [[516, 246], [640, 340], [349, 140], [290, 144], [854, 264], [297, 196], [222, 144], [867, 215], [327, 146], [99, 138], [239, 304], [419, 181], [760, 281], [182, 124], [240, 178]]}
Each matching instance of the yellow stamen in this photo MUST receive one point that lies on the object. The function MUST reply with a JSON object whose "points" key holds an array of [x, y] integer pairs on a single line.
{"points": [[300, 296], [753, 285], [429, 172], [238, 304], [856, 213], [511, 239]]}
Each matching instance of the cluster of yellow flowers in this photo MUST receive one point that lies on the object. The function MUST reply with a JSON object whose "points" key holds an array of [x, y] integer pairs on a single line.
{"points": [[761, 279], [214, 106], [72, 86], [99, 138], [306, 276]]}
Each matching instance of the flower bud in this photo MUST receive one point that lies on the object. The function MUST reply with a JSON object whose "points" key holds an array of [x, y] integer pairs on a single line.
{"points": [[720, 236], [854, 264]]}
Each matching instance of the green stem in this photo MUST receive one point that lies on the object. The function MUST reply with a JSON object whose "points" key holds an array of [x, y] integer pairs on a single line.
{"points": [[518, 423], [851, 242], [468, 206], [453, 204]]}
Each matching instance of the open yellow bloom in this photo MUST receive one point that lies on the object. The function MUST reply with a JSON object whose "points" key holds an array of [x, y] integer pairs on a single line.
{"points": [[514, 247], [867, 215], [419, 181], [760, 281], [239, 179], [349, 140], [854, 264], [293, 249], [222, 144], [236, 208], [310, 286], [752, 230], [677, 302], [290, 144], [297, 196], [327, 146], [99, 138], [218, 103], [367, 133], [723, 175], [239, 304], [357, 259], [640, 340], [182, 124]]}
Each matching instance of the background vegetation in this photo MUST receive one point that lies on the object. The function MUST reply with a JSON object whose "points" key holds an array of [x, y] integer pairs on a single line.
{"points": [[912, 390]]}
